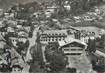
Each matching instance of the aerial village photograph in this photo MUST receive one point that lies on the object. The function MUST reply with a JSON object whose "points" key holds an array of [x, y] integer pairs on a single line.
{"points": [[52, 36]]}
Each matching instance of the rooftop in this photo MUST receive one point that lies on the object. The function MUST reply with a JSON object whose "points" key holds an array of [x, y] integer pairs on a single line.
{"points": [[70, 40], [54, 31]]}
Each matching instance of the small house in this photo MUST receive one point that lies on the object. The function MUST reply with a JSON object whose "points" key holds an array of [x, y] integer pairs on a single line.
{"points": [[13, 40], [10, 29], [22, 39]]}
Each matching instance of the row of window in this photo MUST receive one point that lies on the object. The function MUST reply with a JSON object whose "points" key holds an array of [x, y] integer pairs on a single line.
{"points": [[73, 49], [73, 54], [14, 40], [50, 36], [56, 34], [52, 39]]}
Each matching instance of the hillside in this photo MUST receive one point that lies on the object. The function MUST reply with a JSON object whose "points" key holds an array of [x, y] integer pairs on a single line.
{"points": [[4, 4]]}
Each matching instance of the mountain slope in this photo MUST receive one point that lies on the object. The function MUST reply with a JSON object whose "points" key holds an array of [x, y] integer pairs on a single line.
{"points": [[4, 4]]}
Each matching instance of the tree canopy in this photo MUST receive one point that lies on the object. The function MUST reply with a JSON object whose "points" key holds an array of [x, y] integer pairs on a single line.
{"points": [[79, 6], [57, 59]]}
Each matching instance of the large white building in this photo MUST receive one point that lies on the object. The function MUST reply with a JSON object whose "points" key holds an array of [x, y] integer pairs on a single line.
{"points": [[53, 36]]}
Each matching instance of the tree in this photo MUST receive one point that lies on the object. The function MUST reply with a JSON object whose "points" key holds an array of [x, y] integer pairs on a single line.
{"points": [[71, 70], [99, 66], [56, 58], [39, 50], [103, 41], [34, 65], [91, 45], [58, 62]]}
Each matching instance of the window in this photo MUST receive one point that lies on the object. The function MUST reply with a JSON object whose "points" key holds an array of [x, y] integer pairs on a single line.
{"points": [[56, 34], [76, 49], [41, 39], [66, 49], [52, 39], [56, 39], [63, 33], [45, 39], [49, 39], [73, 54], [73, 49], [63, 38], [80, 49], [59, 39], [49, 34], [52, 34], [60, 34]]}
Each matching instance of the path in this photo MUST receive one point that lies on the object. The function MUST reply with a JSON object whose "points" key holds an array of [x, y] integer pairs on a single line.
{"points": [[32, 43], [28, 55]]}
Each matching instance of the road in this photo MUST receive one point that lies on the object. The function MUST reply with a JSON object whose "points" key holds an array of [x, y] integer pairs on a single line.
{"points": [[32, 42], [28, 55], [34, 37]]}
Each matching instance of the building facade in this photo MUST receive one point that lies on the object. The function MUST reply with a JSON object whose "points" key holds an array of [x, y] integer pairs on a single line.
{"points": [[72, 47], [53, 36]]}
